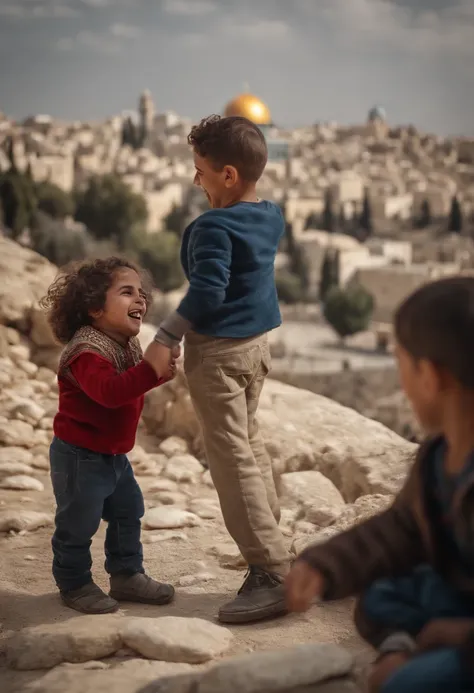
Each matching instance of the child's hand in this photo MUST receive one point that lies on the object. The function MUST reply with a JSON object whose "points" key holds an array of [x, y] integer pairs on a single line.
{"points": [[303, 584], [176, 352], [161, 360], [445, 632]]}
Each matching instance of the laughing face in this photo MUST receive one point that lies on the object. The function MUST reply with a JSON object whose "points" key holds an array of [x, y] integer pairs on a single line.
{"points": [[125, 307], [219, 186]]}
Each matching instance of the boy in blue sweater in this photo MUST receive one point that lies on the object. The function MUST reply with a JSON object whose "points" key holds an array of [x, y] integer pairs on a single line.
{"points": [[228, 255]]}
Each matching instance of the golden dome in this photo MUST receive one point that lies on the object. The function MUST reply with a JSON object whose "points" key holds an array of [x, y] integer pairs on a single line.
{"points": [[249, 106]]}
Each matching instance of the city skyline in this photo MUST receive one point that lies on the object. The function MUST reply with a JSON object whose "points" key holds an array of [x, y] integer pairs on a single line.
{"points": [[311, 60]]}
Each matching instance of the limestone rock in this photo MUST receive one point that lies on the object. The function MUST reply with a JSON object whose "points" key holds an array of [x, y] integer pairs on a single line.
{"points": [[163, 485], [173, 446], [229, 556], [299, 669], [163, 535], [175, 639], [23, 520], [276, 672], [363, 508], [28, 411], [170, 498], [25, 279], [128, 677], [40, 462], [20, 353], [17, 434], [41, 333], [206, 479], [166, 517], [183, 468], [21, 482], [77, 640], [322, 503], [205, 508], [10, 468]]}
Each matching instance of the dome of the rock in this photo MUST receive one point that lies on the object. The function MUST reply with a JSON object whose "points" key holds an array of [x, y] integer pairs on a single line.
{"points": [[251, 107]]}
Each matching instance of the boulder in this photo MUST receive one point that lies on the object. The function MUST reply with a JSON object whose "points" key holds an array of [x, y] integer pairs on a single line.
{"points": [[166, 517], [174, 639], [26, 277], [320, 500], [297, 669], [128, 677], [77, 640]]}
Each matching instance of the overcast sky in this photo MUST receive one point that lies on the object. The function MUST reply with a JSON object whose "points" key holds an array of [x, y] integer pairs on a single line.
{"points": [[310, 60]]}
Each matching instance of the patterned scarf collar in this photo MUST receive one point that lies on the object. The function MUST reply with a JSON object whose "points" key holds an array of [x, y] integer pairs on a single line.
{"points": [[89, 340]]}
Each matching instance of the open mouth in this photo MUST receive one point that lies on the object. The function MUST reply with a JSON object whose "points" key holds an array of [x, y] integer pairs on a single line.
{"points": [[135, 315]]}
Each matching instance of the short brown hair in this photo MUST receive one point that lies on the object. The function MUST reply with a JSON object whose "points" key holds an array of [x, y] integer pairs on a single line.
{"points": [[436, 323], [81, 288], [232, 141]]}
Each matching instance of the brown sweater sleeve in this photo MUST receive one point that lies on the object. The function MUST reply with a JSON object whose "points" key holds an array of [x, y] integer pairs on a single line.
{"points": [[385, 545]]}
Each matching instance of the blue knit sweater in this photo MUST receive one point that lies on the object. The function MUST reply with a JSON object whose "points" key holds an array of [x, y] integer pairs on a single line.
{"points": [[228, 256]]}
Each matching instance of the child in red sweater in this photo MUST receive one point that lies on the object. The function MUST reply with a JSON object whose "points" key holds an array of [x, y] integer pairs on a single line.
{"points": [[97, 309]]}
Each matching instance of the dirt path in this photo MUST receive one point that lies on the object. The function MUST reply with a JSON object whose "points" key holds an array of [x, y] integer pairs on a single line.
{"points": [[28, 595]]}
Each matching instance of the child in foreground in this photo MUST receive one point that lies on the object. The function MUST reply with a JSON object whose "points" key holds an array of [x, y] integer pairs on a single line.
{"points": [[228, 255], [97, 309], [414, 563]]}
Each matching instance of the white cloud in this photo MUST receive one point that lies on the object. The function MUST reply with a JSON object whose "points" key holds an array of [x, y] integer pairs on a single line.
{"points": [[272, 31], [257, 29], [107, 42], [37, 10], [189, 7], [126, 31], [395, 26]]}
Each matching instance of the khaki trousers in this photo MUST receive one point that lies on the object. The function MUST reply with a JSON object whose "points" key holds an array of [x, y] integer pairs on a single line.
{"points": [[225, 378]]}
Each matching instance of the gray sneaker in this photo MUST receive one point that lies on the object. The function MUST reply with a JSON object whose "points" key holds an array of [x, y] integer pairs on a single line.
{"points": [[89, 599], [261, 596]]}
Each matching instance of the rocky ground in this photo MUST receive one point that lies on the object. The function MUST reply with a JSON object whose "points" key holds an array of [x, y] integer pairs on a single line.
{"points": [[332, 466]]}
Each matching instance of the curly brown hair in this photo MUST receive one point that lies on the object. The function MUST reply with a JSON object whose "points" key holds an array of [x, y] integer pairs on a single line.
{"points": [[81, 288], [232, 141]]}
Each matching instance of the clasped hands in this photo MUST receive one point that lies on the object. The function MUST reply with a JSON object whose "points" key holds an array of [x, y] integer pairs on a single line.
{"points": [[162, 359]]}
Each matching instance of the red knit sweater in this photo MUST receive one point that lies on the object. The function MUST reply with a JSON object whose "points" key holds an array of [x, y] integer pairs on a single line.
{"points": [[102, 414]]}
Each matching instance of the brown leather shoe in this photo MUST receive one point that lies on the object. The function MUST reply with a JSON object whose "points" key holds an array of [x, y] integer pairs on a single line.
{"points": [[89, 599], [261, 596], [140, 588]]}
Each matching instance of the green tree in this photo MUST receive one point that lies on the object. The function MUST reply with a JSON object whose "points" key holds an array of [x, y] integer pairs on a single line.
{"points": [[456, 221], [159, 254], [175, 221], [61, 244], [53, 201], [17, 199], [425, 215], [289, 287], [366, 221], [348, 310], [329, 273], [329, 219], [110, 209], [132, 135], [299, 264]]}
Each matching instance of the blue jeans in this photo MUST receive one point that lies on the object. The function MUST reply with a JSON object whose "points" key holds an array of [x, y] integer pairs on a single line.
{"points": [[408, 604], [90, 487]]}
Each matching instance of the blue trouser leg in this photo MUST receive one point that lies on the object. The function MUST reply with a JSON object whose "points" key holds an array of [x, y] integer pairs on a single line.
{"points": [[88, 487], [123, 511], [408, 604], [439, 671]]}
